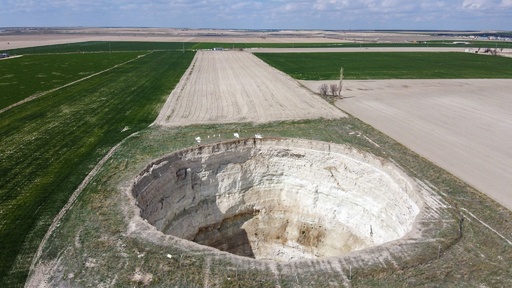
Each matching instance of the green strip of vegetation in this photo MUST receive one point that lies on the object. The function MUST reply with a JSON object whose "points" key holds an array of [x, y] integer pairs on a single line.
{"points": [[29, 75], [392, 65], [118, 46], [211, 45], [101, 46], [48, 146], [162, 46]]}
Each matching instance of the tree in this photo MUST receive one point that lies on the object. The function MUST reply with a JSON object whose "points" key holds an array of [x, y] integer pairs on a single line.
{"points": [[333, 88], [324, 89]]}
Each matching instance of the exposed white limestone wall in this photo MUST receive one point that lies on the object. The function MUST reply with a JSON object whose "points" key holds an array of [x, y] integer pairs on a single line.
{"points": [[304, 199]]}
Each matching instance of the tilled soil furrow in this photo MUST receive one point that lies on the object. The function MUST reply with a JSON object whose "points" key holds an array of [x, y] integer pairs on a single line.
{"points": [[234, 86]]}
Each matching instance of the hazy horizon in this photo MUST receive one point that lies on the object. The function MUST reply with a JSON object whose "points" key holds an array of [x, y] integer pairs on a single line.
{"points": [[461, 15], [255, 29]]}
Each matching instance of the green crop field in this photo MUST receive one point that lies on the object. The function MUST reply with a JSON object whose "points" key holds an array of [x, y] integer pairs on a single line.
{"points": [[392, 65], [164, 46], [26, 76], [118, 46], [100, 46], [49, 144]]}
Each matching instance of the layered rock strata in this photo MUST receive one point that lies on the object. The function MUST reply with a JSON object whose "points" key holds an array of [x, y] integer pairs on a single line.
{"points": [[278, 199]]}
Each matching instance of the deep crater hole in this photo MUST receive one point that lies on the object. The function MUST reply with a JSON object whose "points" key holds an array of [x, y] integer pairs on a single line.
{"points": [[277, 199]]}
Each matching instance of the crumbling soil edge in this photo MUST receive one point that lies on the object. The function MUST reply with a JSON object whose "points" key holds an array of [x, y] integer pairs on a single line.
{"points": [[413, 249]]}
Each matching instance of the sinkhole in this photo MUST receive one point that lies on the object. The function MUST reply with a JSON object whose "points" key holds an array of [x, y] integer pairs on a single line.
{"points": [[278, 199]]}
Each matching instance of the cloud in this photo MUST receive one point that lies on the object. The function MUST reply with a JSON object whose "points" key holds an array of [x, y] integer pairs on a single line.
{"points": [[475, 4], [506, 3], [432, 5], [486, 5], [323, 5]]}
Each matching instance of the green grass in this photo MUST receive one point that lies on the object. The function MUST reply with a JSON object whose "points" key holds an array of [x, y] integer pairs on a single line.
{"points": [[392, 65], [119, 46], [29, 75], [166, 46], [100, 46], [48, 145]]}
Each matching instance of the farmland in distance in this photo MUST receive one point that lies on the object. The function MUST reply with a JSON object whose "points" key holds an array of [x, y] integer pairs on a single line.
{"points": [[48, 145], [123, 46]]}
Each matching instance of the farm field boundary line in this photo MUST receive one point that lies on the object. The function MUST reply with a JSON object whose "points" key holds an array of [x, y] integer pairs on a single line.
{"points": [[30, 98], [12, 57]]}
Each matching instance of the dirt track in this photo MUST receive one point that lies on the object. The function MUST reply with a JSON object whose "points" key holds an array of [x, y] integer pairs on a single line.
{"points": [[464, 126], [231, 87]]}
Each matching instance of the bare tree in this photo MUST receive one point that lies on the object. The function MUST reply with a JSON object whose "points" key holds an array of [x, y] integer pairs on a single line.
{"points": [[333, 88], [324, 89]]}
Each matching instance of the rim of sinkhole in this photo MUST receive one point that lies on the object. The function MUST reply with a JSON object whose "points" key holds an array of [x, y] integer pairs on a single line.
{"points": [[278, 199]]}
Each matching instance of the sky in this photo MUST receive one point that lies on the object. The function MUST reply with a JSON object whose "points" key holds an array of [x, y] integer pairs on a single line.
{"points": [[263, 14]]}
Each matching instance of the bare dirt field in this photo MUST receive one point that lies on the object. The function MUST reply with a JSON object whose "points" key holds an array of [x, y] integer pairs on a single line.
{"points": [[464, 126], [236, 86]]}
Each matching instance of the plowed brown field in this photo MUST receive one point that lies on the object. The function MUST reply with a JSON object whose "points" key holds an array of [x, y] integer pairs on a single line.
{"points": [[464, 126], [236, 86]]}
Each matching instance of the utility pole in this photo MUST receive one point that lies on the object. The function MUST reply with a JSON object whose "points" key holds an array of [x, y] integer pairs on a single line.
{"points": [[341, 82]]}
